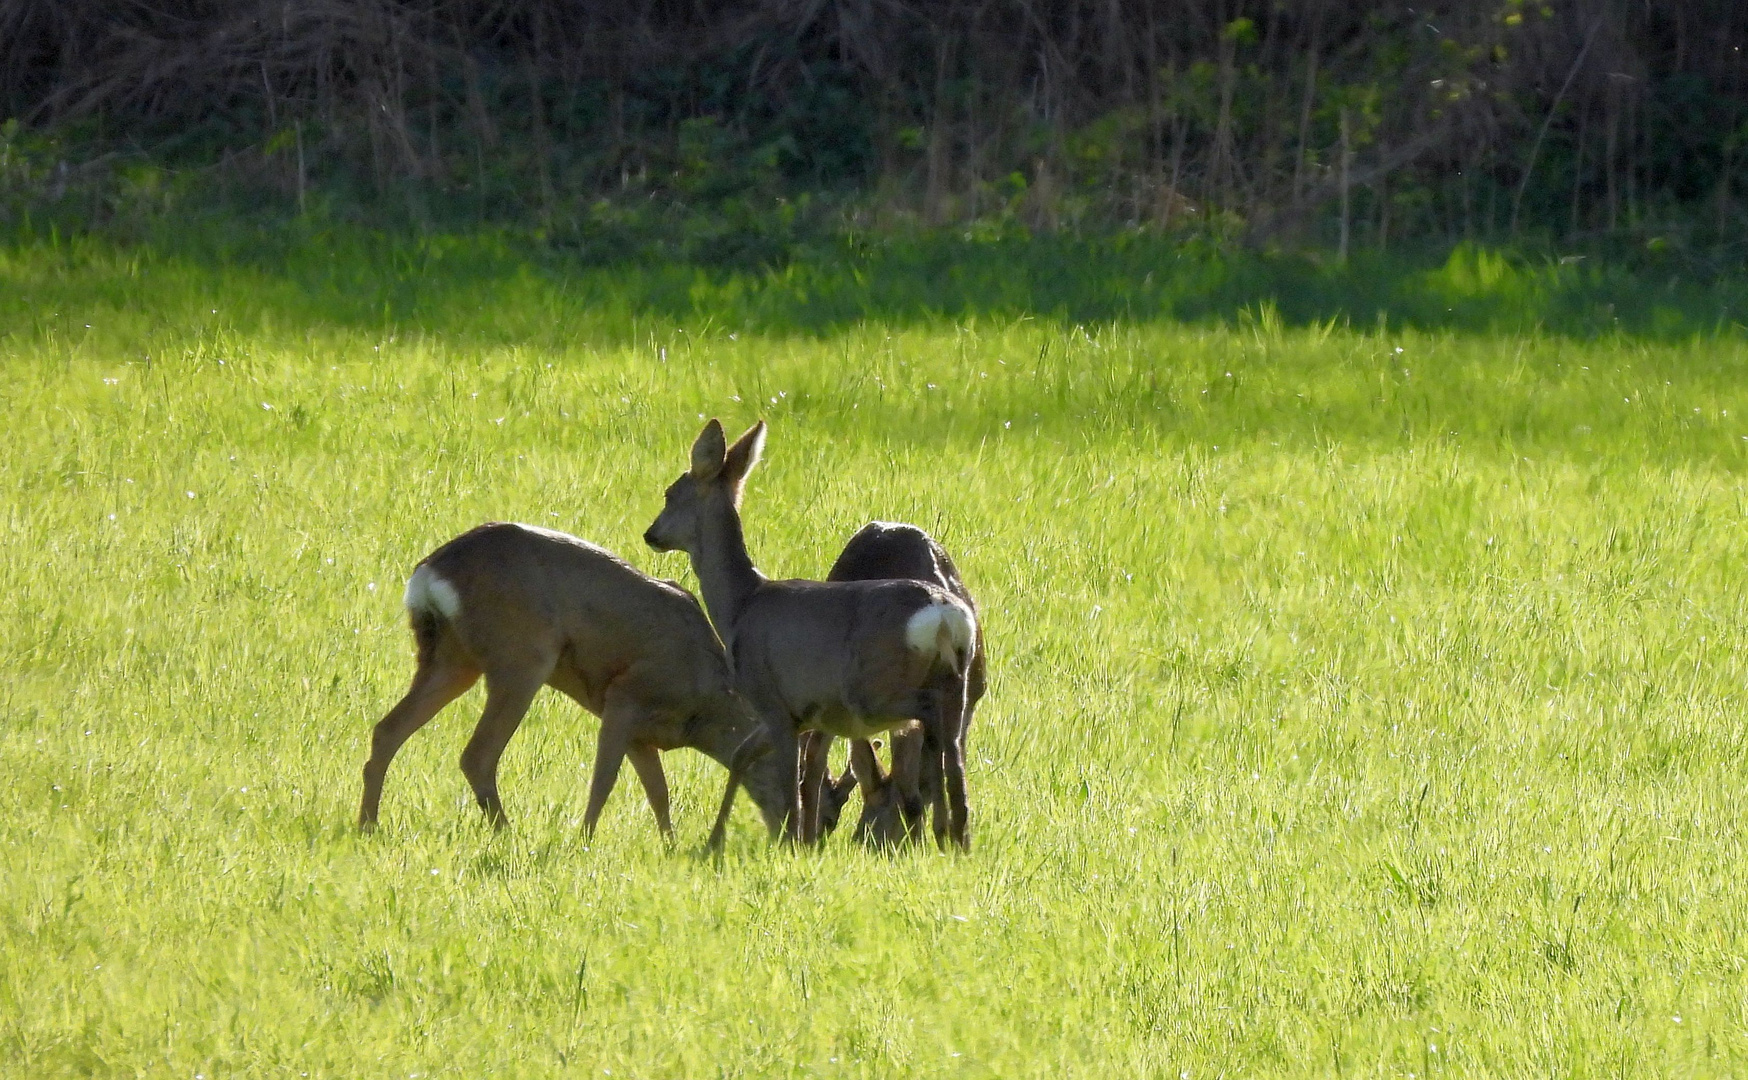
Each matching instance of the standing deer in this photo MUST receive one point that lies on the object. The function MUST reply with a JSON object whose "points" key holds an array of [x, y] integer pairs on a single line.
{"points": [[892, 806], [528, 607], [852, 658]]}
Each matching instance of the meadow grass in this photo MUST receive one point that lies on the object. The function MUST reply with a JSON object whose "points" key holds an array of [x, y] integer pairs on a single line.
{"points": [[1364, 703]]}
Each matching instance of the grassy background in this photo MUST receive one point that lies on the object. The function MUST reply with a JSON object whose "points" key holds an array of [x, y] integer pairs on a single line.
{"points": [[1364, 703]]}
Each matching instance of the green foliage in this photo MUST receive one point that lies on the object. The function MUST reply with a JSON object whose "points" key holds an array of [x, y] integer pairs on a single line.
{"points": [[27, 167], [1464, 120]]}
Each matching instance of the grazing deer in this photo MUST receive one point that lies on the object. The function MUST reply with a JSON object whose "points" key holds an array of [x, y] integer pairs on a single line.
{"points": [[528, 607], [852, 658], [892, 806], [883, 822]]}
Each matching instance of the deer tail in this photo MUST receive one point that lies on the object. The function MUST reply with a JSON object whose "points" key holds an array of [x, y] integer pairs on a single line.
{"points": [[943, 630], [431, 603]]}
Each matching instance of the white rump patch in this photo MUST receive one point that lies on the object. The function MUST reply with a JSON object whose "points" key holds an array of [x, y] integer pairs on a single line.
{"points": [[942, 630], [428, 592]]}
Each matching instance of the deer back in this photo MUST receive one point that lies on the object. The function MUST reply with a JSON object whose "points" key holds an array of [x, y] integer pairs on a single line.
{"points": [[883, 549], [812, 646], [521, 589]]}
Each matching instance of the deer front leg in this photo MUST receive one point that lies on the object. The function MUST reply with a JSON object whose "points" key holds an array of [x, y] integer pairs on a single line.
{"points": [[814, 749], [618, 720], [751, 749], [647, 760], [913, 783], [780, 730]]}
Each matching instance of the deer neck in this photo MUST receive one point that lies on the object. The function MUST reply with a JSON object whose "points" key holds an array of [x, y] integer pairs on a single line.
{"points": [[726, 574]]}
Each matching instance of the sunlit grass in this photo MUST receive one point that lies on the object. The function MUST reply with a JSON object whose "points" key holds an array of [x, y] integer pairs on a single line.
{"points": [[1363, 703]]}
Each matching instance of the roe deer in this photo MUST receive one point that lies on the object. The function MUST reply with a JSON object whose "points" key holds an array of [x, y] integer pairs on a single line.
{"points": [[883, 550], [528, 607], [883, 822], [852, 658]]}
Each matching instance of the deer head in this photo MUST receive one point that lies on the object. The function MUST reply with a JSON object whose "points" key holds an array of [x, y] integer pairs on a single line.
{"points": [[709, 490], [834, 795], [764, 778], [881, 824]]}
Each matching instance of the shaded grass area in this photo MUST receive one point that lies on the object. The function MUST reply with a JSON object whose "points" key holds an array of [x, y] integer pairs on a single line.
{"points": [[505, 286], [1365, 702]]}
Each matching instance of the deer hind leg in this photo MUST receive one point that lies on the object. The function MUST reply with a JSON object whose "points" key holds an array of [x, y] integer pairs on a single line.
{"points": [[508, 695], [935, 791], [944, 739], [957, 704], [647, 760], [434, 685], [931, 791]]}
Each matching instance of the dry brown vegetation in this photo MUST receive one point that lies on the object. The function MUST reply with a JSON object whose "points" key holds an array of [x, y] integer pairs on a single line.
{"points": [[1457, 118]]}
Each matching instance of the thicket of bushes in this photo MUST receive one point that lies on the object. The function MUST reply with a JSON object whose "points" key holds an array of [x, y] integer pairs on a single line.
{"points": [[1269, 121]]}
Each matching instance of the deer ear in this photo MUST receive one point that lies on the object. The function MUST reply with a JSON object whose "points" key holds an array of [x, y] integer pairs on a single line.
{"points": [[744, 454], [841, 787], [709, 452]]}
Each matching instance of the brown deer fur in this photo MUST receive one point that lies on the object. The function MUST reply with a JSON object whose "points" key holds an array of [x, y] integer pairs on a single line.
{"points": [[892, 805], [527, 607], [852, 658]]}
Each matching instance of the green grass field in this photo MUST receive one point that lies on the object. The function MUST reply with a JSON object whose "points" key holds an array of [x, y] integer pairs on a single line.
{"points": [[1364, 703]]}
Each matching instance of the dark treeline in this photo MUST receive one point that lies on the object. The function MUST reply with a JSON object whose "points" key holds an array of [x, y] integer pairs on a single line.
{"points": [[1272, 120]]}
